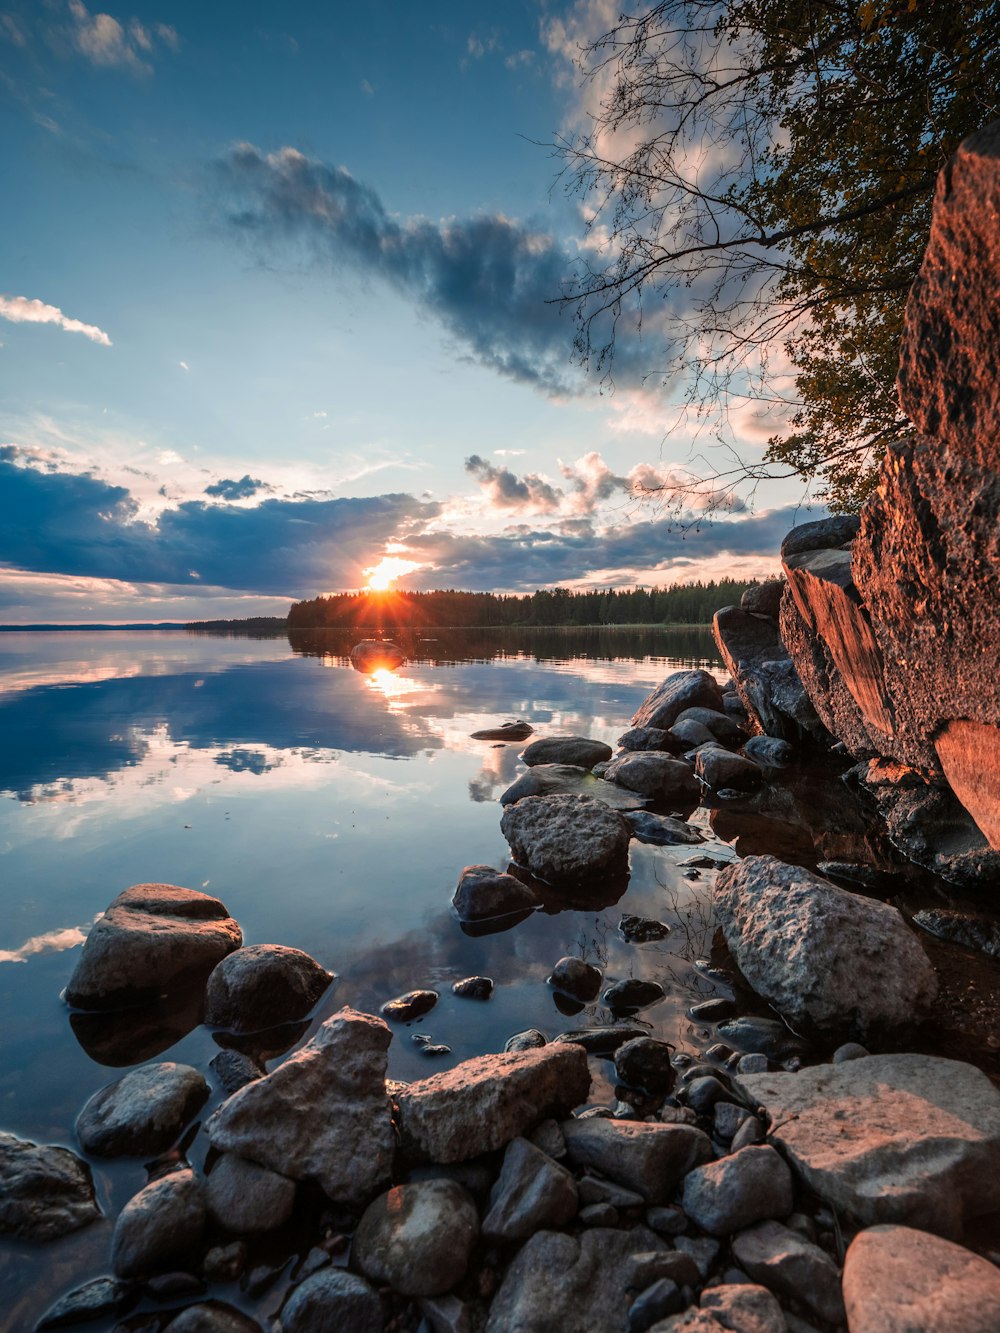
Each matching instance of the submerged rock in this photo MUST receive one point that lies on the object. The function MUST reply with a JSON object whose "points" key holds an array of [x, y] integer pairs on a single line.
{"points": [[150, 937], [484, 893], [262, 985], [143, 1113], [473, 988], [578, 750], [509, 731], [566, 838], [274, 1121], [45, 1192], [600, 1040], [820, 954], [912, 1139], [970, 929], [418, 1238], [897, 1279], [632, 994], [569, 780], [414, 1004], [483, 1103], [662, 830], [642, 930]]}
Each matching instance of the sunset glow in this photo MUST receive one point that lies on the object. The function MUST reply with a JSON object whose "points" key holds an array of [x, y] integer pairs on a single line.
{"points": [[382, 577]]}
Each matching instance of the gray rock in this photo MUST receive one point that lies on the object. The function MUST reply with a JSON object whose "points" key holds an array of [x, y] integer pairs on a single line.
{"points": [[658, 776], [690, 733], [746, 1307], [274, 1121], [669, 1220], [143, 1113], [769, 751], [245, 1198], [509, 731], [838, 530], [150, 937], [787, 1263], [473, 988], [414, 1004], [531, 1193], [751, 1131], [727, 1118], [160, 1227], [632, 993], [761, 1036], [819, 954], [570, 780], [752, 1063], [897, 1280], [731, 1193], [566, 839], [719, 724], [45, 1192], [851, 1050], [212, 1317], [648, 1158], [662, 830], [484, 1103], [641, 930], [647, 738], [548, 1137], [682, 690], [484, 893], [332, 1299], [600, 1040], [763, 599], [575, 1284], [645, 1063], [225, 1263], [648, 1266], [446, 1314], [529, 1040], [702, 1250], [719, 769], [577, 750], [262, 985], [576, 978], [970, 929], [768, 684], [418, 1238], [598, 1215], [594, 1189], [234, 1070], [924, 1143], [656, 1302], [102, 1297]]}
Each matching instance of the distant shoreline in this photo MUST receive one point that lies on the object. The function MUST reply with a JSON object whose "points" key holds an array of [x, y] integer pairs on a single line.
{"points": [[236, 627]]}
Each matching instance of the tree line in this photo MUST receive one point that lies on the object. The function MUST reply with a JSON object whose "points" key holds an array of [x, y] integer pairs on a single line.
{"points": [[678, 604]]}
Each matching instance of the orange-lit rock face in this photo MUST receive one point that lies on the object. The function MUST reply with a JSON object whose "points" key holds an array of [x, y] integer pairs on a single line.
{"points": [[970, 756]]}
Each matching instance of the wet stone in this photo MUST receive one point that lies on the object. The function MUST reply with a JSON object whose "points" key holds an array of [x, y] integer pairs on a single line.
{"points": [[143, 1113], [599, 1215], [509, 731], [712, 1011], [702, 1250], [418, 1237], [160, 1226], [332, 1299], [45, 1192], [414, 1004], [225, 1263], [661, 830], [103, 1297], [234, 1070], [600, 1040], [473, 988], [668, 1219], [633, 994], [262, 985], [762, 1036], [787, 1263], [244, 1197], [575, 978], [656, 1302], [529, 1040], [484, 893], [642, 930], [646, 1063]]}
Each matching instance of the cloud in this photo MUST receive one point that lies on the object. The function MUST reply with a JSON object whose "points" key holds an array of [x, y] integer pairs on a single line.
{"points": [[54, 522], [491, 281], [507, 491], [183, 365], [237, 490], [22, 310], [107, 43]]}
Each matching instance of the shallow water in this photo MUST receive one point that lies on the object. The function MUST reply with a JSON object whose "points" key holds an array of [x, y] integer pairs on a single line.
{"points": [[330, 811]]}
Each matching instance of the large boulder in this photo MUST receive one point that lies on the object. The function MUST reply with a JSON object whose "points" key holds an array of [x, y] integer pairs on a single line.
{"points": [[651, 1159], [418, 1238], [578, 750], [766, 679], [575, 1284], [484, 1103], [684, 689], [262, 985], [821, 955], [143, 1113], [655, 775], [45, 1192], [150, 938], [910, 1139], [897, 1280], [566, 839], [322, 1115]]}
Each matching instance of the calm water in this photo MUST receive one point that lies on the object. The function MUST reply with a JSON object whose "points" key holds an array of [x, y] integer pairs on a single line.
{"points": [[330, 811]]}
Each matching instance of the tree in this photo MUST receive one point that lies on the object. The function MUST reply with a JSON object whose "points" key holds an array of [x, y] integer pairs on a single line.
{"points": [[765, 170]]}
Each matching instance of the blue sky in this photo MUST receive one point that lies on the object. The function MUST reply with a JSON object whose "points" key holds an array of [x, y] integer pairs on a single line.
{"points": [[276, 303]]}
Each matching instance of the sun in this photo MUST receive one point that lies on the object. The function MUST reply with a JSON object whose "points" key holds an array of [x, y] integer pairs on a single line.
{"points": [[381, 577]]}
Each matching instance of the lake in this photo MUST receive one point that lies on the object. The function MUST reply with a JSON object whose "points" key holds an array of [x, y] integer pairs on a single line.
{"points": [[330, 811]]}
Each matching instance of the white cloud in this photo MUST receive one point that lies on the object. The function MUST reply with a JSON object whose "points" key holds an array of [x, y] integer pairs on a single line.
{"points": [[367, 88], [23, 310], [183, 365], [106, 42]]}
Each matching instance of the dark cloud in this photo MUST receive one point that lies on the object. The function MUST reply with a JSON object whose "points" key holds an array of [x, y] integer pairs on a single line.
{"points": [[63, 523], [491, 281], [227, 489], [508, 491]]}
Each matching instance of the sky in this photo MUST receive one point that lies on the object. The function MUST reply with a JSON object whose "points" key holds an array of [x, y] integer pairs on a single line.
{"points": [[279, 308]]}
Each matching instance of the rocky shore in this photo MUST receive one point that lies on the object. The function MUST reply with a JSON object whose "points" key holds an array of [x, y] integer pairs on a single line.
{"points": [[816, 1167]]}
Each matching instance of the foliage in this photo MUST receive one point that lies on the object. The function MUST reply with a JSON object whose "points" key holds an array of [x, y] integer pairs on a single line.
{"points": [[765, 169], [679, 604]]}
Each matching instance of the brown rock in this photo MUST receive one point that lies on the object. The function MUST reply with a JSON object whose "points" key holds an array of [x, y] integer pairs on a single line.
{"points": [[948, 383], [970, 757], [483, 1103], [897, 1280]]}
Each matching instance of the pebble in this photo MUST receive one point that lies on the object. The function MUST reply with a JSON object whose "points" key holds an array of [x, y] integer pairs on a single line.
{"points": [[528, 1040], [642, 930], [702, 1250], [225, 1263], [414, 1004], [753, 1063], [599, 1215], [667, 1219], [851, 1050], [663, 1298], [632, 994], [712, 1011], [751, 1131], [474, 988]]}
